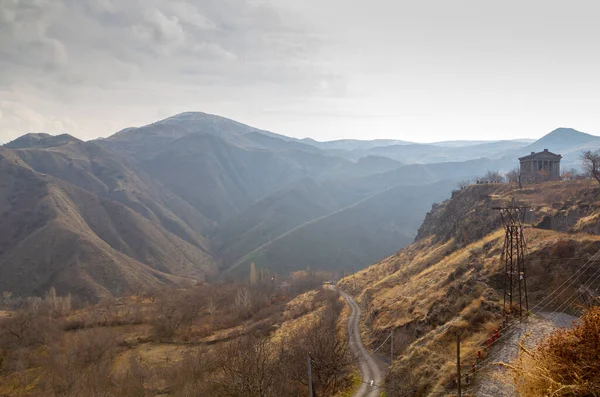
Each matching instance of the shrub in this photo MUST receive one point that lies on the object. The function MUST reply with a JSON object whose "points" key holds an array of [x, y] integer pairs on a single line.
{"points": [[567, 363]]}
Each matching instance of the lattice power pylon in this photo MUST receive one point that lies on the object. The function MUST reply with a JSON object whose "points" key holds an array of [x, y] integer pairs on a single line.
{"points": [[515, 277]]}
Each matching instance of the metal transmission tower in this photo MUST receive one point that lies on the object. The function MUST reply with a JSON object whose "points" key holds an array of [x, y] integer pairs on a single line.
{"points": [[515, 277]]}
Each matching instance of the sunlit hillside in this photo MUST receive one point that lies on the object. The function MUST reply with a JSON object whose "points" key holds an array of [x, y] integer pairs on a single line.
{"points": [[449, 281]]}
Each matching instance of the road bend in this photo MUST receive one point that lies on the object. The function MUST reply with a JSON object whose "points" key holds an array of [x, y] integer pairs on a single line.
{"points": [[370, 366]]}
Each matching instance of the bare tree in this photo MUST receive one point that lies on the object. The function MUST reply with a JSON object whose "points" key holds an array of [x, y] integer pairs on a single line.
{"points": [[571, 175], [591, 164], [250, 367], [512, 176], [175, 310], [330, 352], [58, 306], [493, 177], [462, 185], [80, 366], [26, 326], [243, 301]]}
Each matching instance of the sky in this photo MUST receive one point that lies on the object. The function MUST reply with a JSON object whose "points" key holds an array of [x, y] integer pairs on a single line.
{"points": [[328, 69]]}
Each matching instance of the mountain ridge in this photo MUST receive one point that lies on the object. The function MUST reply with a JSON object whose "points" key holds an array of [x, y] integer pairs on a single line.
{"points": [[188, 197]]}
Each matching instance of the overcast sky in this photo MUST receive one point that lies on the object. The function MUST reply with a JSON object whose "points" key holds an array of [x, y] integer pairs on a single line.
{"points": [[415, 70]]}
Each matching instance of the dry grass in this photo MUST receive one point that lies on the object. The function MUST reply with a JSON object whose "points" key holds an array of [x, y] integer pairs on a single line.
{"points": [[565, 364], [174, 342], [450, 280]]}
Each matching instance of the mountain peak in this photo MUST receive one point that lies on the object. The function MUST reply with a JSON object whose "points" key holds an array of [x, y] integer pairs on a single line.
{"points": [[566, 131], [40, 140], [561, 137]]}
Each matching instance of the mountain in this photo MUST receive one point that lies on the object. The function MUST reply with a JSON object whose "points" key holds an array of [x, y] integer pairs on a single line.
{"points": [[145, 142], [567, 142], [221, 180], [221, 173], [56, 234], [150, 200], [103, 172], [563, 137], [188, 197], [269, 218], [40, 141], [354, 144], [353, 237], [473, 143], [437, 153]]}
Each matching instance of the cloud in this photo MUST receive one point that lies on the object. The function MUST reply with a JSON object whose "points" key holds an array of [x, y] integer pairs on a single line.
{"points": [[161, 29], [17, 119], [70, 56], [64, 39]]}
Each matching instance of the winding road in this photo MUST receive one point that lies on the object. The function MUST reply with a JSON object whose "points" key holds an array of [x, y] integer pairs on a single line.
{"points": [[370, 366]]}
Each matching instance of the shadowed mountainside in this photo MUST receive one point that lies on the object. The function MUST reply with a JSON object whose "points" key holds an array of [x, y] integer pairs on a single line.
{"points": [[56, 234]]}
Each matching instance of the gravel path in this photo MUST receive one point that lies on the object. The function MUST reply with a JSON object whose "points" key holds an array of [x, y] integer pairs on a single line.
{"points": [[370, 365], [495, 380]]}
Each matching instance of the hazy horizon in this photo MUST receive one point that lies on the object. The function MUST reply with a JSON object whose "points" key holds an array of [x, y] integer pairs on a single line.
{"points": [[416, 141], [414, 71]]}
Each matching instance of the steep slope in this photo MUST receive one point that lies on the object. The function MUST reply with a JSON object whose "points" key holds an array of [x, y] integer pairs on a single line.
{"points": [[219, 179], [273, 216], [353, 237], [55, 234], [449, 281], [108, 175]]}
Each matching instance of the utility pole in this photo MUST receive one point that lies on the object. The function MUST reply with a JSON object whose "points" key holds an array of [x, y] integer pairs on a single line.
{"points": [[310, 385], [354, 277], [515, 278], [392, 348], [458, 364]]}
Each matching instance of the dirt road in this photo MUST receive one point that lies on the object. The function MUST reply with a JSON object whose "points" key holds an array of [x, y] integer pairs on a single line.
{"points": [[371, 367]]}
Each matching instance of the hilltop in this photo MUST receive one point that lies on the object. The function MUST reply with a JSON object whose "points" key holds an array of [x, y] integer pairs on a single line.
{"points": [[449, 281]]}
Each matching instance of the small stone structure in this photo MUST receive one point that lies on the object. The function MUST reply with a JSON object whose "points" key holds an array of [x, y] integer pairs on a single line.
{"points": [[538, 167]]}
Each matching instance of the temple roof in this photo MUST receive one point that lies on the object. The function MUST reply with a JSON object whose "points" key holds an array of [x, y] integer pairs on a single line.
{"points": [[545, 155]]}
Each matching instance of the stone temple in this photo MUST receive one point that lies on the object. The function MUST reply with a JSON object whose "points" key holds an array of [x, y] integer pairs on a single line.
{"points": [[542, 166]]}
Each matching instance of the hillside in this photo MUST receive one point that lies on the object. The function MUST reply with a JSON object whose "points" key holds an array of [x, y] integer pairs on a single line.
{"points": [[355, 236], [56, 234], [106, 174], [309, 199], [449, 281]]}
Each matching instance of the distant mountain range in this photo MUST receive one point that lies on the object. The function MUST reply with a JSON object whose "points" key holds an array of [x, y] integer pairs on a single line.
{"points": [[195, 196]]}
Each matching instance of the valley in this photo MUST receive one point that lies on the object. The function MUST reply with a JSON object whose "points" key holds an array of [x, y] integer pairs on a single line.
{"points": [[271, 198], [195, 196], [201, 246]]}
